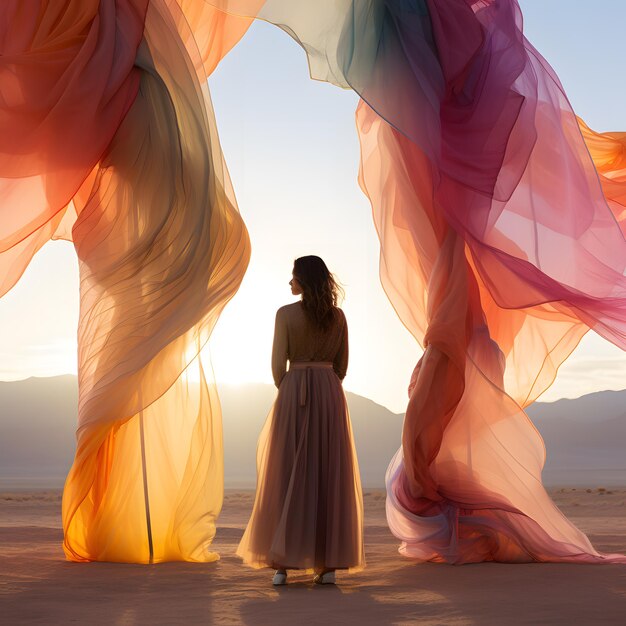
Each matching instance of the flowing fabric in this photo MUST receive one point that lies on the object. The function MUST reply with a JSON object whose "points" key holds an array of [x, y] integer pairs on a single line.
{"points": [[500, 216], [106, 104], [161, 249], [61, 68], [501, 221]]}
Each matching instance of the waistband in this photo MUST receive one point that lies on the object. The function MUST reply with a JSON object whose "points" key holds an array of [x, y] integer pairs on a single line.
{"points": [[304, 364]]}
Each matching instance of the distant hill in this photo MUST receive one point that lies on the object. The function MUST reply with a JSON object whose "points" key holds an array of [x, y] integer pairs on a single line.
{"points": [[585, 438], [38, 420]]}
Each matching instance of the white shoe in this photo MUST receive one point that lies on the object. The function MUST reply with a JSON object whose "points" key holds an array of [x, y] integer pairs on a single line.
{"points": [[280, 577], [327, 578]]}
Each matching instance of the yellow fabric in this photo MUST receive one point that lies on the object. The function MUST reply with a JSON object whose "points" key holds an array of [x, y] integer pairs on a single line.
{"points": [[162, 248]]}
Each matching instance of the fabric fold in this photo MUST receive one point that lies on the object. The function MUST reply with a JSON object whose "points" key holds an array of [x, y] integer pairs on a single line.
{"points": [[161, 250], [53, 57], [134, 176], [500, 218]]}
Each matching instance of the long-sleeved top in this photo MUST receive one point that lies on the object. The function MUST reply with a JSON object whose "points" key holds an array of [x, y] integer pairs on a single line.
{"points": [[295, 339]]}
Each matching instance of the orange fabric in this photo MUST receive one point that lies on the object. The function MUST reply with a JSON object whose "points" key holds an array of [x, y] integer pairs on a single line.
{"points": [[213, 32], [64, 65], [608, 151], [161, 248], [108, 139]]}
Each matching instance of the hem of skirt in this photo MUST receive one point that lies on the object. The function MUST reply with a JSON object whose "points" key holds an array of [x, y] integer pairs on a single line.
{"points": [[261, 564]]}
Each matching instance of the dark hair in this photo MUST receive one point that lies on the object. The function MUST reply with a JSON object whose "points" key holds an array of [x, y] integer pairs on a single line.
{"points": [[320, 290]]}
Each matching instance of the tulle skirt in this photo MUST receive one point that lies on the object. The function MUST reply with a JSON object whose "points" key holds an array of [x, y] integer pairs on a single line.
{"points": [[308, 509]]}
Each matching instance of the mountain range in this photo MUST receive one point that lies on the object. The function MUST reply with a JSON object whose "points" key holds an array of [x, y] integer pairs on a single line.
{"points": [[585, 438]]}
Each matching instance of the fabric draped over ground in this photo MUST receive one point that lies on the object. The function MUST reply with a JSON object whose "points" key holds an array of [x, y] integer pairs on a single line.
{"points": [[500, 217]]}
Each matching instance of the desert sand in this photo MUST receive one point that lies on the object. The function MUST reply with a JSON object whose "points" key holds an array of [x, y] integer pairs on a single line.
{"points": [[37, 585]]}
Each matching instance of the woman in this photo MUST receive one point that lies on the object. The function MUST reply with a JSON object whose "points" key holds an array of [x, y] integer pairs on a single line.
{"points": [[308, 509]]}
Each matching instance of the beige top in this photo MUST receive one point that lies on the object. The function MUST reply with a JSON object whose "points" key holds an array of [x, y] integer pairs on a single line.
{"points": [[295, 339]]}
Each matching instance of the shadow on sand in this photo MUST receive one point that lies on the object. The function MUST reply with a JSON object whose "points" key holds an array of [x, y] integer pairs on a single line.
{"points": [[38, 587]]}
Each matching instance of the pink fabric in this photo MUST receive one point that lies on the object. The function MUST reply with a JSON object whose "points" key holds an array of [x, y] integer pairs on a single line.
{"points": [[108, 139], [499, 252], [64, 65], [500, 215]]}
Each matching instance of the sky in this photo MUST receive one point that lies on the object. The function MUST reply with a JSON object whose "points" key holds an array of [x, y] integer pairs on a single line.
{"points": [[292, 151]]}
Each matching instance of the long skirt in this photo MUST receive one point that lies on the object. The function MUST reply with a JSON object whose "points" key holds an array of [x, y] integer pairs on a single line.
{"points": [[308, 509]]}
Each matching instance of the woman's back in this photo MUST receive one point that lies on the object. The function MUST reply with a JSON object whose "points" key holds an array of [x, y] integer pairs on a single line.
{"points": [[308, 507], [296, 339]]}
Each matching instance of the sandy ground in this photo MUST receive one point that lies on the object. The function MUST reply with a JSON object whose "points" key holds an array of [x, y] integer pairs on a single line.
{"points": [[37, 586]]}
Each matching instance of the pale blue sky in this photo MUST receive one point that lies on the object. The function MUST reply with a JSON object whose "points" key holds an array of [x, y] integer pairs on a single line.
{"points": [[291, 147]]}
